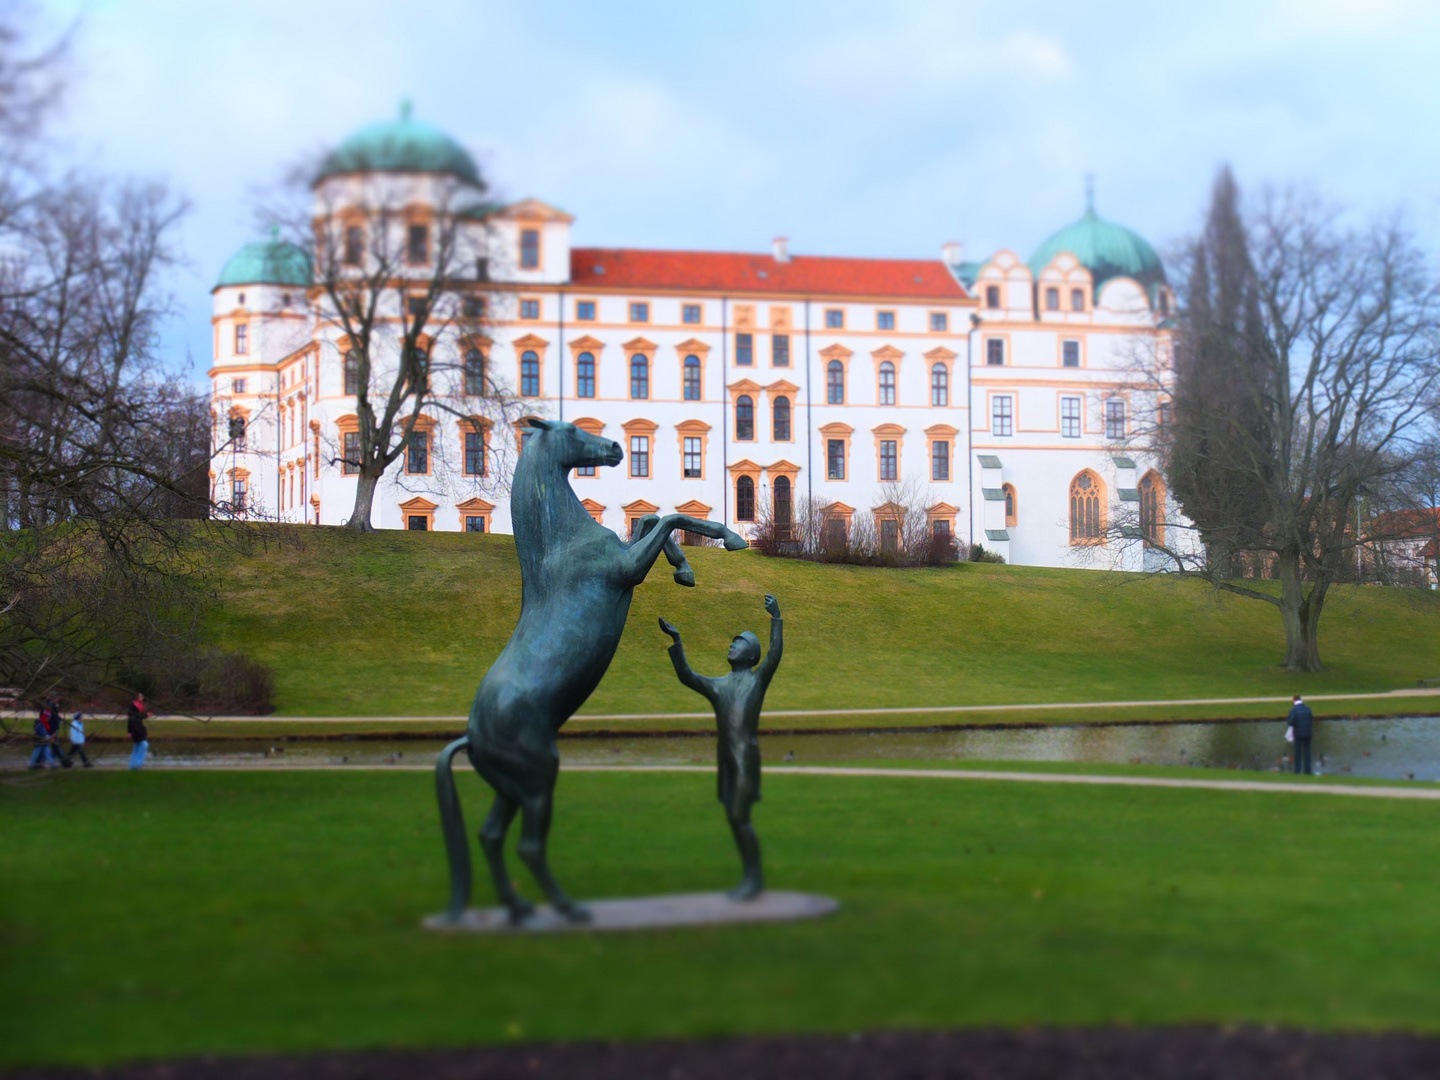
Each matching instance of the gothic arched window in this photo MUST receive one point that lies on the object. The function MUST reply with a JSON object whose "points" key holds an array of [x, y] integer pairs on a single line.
{"points": [[1087, 510], [1152, 508]]}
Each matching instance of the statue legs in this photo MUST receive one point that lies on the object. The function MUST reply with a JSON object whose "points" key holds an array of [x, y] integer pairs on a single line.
{"points": [[752, 883], [674, 554], [492, 842], [534, 833]]}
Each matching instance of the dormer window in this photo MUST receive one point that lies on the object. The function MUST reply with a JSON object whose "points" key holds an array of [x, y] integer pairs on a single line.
{"points": [[884, 320], [1077, 299], [354, 245], [242, 339], [992, 296], [1052, 299], [639, 311], [529, 249]]}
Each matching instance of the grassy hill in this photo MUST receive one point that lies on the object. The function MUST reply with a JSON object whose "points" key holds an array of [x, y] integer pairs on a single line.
{"points": [[399, 623]]}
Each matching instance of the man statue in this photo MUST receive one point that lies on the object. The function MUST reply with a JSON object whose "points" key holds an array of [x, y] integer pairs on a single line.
{"points": [[737, 699]]}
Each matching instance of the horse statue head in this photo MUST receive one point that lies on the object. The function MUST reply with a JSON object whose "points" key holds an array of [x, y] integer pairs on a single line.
{"points": [[567, 447]]}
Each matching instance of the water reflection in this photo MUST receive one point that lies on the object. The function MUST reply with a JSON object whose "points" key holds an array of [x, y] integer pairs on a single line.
{"points": [[1395, 748]]}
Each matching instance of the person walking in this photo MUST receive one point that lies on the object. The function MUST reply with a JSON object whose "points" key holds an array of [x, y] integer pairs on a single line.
{"points": [[77, 742], [41, 757], [1302, 727], [139, 734]]}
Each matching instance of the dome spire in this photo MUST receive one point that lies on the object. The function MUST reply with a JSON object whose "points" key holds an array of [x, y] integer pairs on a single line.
{"points": [[406, 108], [1090, 194]]}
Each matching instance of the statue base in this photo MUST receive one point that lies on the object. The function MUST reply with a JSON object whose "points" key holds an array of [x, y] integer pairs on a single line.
{"points": [[647, 913]]}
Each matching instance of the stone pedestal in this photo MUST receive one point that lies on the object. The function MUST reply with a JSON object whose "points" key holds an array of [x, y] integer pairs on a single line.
{"points": [[647, 913]]}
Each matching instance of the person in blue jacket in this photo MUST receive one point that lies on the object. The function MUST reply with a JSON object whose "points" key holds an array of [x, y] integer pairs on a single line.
{"points": [[1302, 725]]}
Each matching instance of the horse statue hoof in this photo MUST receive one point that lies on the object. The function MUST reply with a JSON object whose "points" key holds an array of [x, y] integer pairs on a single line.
{"points": [[685, 577], [734, 541]]}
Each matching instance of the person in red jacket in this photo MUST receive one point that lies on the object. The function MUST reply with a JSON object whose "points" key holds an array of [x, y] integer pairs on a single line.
{"points": [[139, 734]]}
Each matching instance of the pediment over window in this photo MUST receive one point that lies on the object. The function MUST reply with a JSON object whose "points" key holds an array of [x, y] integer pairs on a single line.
{"points": [[640, 506], [694, 508], [587, 344], [836, 352], [418, 505], [533, 210], [469, 506], [640, 345], [744, 386], [837, 430], [888, 352], [891, 431], [744, 465], [693, 345], [530, 341], [782, 387], [941, 353]]}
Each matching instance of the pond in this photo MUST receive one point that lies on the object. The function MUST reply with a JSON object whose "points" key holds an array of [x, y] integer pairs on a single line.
{"points": [[1395, 748]]}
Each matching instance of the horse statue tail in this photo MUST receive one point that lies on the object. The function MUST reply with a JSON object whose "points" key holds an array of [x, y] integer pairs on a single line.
{"points": [[452, 824]]}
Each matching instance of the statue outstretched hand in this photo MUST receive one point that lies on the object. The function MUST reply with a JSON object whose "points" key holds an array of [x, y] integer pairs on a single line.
{"points": [[669, 629], [772, 606]]}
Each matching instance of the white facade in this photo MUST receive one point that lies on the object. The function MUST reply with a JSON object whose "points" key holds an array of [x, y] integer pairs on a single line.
{"points": [[970, 382]]}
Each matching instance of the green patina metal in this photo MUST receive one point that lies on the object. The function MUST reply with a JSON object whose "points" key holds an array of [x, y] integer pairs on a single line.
{"points": [[576, 582], [737, 699], [404, 145], [1105, 249], [268, 262]]}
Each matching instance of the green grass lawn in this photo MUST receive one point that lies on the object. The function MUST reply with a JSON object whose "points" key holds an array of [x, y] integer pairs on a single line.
{"points": [[167, 913], [399, 623]]}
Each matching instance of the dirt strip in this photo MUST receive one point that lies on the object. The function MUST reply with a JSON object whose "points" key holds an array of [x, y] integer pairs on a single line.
{"points": [[1046, 1054]]}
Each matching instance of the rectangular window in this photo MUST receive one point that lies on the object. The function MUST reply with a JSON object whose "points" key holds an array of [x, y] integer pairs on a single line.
{"points": [[884, 320], [995, 352], [474, 524], [940, 460], [1052, 299], [744, 350], [242, 339], [889, 459], [529, 249], [1115, 419], [473, 307], [417, 454], [415, 305], [939, 321], [418, 523], [1070, 354], [585, 310], [690, 313], [693, 465], [417, 245], [1002, 415], [834, 319], [1077, 299], [835, 459], [585, 470], [529, 309], [889, 536], [237, 493], [351, 453], [780, 350], [474, 453], [237, 386], [354, 245], [1070, 417], [640, 456], [992, 296], [940, 529], [482, 269], [639, 311]]}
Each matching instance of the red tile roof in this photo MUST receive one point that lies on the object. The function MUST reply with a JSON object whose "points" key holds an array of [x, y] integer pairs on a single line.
{"points": [[724, 271]]}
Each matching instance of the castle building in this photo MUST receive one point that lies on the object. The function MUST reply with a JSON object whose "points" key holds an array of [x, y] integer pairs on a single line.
{"points": [[1004, 395]]}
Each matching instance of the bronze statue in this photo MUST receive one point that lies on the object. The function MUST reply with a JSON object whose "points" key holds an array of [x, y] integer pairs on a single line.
{"points": [[737, 698], [576, 583]]}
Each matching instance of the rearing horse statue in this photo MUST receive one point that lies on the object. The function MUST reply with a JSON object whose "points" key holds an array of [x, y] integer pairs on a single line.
{"points": [[576, 578]]}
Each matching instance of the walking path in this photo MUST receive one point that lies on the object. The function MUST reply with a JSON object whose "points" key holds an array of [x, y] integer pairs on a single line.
{"points": [[906, 710], [1280, 786]]}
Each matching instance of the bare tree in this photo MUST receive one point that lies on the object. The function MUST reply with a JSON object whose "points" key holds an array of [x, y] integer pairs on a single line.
{"points": [[401, 299], [1307, 351]]}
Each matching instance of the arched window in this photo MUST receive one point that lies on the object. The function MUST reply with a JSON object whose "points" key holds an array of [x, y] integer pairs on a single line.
{"points": [[1152, 508], [939, 385], [744, 418], [529, 374], [780, 419], [585, 375], [352, 374], [1087, 511], [784, 507], [1011, 505], [887, 383], [692, 378], [835, 383], [474, 373], [744, 499], [639, 377]]}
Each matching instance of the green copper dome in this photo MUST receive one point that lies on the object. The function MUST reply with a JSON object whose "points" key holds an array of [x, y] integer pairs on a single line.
{"points": [[403, 145], [267, 262], [1106, 250]]}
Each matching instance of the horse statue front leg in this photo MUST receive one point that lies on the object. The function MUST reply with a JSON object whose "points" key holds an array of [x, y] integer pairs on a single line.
{"points": [[674, 553], [645, 549]]}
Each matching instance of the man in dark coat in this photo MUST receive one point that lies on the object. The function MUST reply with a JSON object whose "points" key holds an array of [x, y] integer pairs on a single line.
{"points": [[737, 699], [139, 734], [1302, 726]]}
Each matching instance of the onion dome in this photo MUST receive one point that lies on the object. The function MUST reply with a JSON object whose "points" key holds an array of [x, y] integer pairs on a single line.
{"points": [[268, 262], [1105, 249], [405, 145]]}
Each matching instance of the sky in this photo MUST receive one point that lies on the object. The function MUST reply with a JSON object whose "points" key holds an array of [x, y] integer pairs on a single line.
{"points": [[856, 129]]}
